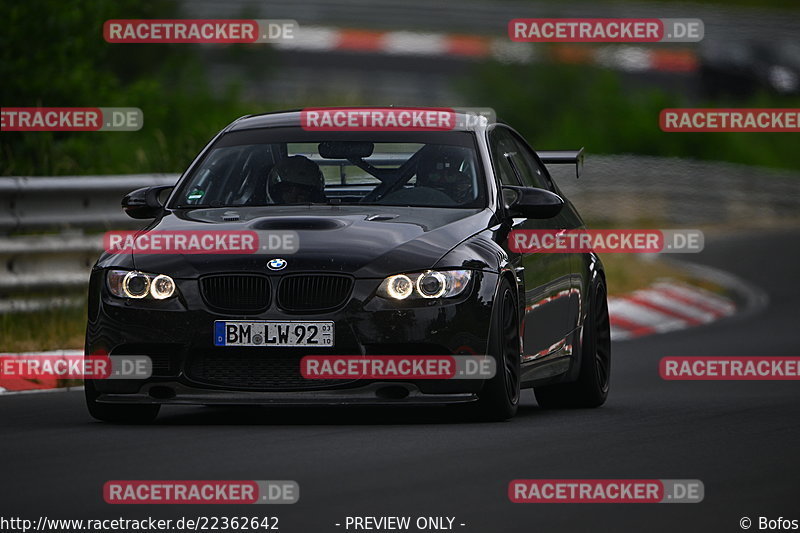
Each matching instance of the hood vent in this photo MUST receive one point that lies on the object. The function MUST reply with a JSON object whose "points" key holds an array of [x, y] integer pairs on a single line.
{"points": [[380, 218], [297, 223]]}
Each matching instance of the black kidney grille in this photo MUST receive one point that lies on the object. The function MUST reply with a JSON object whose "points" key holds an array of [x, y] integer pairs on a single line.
{"points": [[236, 292], [313, 292]]}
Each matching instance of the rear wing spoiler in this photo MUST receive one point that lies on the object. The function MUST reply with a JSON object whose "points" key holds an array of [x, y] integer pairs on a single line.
{"points": [[563, 157]]}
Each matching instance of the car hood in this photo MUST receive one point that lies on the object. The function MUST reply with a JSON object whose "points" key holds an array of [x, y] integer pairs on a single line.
{"points": [[365, 241]]}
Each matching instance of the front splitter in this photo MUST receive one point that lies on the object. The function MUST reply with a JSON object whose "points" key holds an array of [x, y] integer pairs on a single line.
{"points": [[377, 393]]}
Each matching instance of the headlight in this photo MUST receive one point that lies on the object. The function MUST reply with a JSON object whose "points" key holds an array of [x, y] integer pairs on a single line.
{"points": [[399, 287], [162, 287], [430, 284], [139, 285], [136, 284]]}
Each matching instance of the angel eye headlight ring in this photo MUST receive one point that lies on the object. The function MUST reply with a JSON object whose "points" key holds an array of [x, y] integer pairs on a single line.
{"points": [[136, 284], [400, 287], [162, 287], [431, 284]]}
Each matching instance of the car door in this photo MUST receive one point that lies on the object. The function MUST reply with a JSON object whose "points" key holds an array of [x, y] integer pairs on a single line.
{"points": [[533, 173], [547, 277]]}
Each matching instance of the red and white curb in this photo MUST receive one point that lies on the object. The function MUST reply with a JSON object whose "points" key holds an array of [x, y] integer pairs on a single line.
{"points": [[665, 306], [625, 57]]}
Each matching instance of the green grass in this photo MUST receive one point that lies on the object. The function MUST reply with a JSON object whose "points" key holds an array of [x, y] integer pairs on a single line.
{"points": [[53, 329], [626, 273]]}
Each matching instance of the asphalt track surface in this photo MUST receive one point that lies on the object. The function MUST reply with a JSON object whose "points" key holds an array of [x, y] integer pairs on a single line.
{"points": [[740, 438]]}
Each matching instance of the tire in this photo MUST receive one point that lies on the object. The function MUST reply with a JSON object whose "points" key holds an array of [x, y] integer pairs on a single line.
{"points": [[591, 387], [116, 413], [499, 398]]}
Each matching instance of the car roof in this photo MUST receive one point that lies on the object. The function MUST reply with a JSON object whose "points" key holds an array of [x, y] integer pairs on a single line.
{"points": [[291, 118]]}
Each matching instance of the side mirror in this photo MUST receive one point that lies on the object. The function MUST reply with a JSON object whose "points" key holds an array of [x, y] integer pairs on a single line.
{"points": [[144, 203], [530, 202]]}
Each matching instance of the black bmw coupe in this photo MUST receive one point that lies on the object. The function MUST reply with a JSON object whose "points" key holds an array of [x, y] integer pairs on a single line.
{"points": [[400, 247]]}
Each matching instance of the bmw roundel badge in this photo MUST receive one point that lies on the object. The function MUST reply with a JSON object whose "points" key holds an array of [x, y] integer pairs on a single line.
{"points": [[277, 264]]}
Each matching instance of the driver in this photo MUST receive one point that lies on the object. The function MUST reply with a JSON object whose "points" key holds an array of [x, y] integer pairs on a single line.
{"points": [[438, 168], [296, 180]]}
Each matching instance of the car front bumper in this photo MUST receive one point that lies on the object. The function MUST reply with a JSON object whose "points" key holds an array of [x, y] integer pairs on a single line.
{"points": [[188, 369]]}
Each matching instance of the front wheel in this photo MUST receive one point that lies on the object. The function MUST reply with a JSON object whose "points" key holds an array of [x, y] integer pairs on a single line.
{"points": [[591, 387], [499, 398]]}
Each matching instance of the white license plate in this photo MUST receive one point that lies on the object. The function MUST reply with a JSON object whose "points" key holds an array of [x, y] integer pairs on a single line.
{"points": [[272, 333]]}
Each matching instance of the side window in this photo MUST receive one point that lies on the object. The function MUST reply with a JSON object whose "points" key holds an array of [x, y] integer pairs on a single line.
{"points": [[502, 144], [531, 171]]}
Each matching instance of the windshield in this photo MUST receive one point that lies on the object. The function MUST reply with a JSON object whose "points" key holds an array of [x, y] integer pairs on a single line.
{"points": [[253, 168]]}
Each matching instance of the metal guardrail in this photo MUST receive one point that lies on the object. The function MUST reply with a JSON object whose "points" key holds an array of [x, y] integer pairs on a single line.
{"points": [[84, 203], [50, 228], [46, 245]]}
